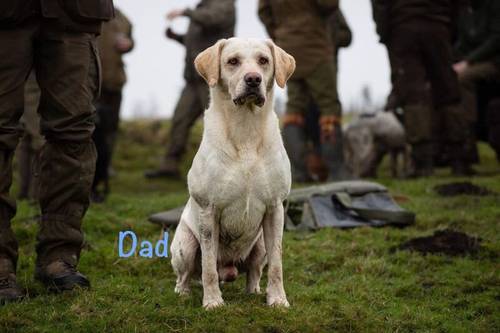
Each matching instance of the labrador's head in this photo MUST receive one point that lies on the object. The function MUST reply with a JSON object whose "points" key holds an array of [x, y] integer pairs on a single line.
{"points": [[245, 68]]}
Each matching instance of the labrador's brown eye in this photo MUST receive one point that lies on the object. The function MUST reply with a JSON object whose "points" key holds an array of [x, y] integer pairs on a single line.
{"points": [[233, 61], [263, 61]]}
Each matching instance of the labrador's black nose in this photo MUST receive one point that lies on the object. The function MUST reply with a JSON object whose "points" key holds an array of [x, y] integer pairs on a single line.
{"points": [[253, 80]]}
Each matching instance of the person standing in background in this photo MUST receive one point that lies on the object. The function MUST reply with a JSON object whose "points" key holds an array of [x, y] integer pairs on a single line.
{"points": [[478, 54], [210, 21], [57, 40], [301, 28], [418, 34], [341, 37], [115, 41]]}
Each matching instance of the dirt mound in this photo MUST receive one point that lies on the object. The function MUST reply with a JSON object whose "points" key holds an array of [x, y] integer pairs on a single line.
{"points": [[463, 188], [447, 242]]}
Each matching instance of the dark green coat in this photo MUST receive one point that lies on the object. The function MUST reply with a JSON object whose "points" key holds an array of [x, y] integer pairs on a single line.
{"points": [[73, 15], [211, 20], [388, 14], [300, 27], [479, 32]]}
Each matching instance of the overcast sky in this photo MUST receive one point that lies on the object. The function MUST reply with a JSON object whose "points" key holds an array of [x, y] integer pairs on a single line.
{"points": [[156, 64]]}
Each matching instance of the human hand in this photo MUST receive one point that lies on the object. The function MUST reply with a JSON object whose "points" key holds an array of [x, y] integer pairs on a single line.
{"points": [[123, 43], [461, 67], [173, 14]]}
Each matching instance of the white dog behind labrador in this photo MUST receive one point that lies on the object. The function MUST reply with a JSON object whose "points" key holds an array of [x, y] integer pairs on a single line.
{"points": [[240, 175]]}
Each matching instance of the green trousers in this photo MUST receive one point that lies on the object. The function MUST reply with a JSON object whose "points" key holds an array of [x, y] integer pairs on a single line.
{"points": [[320, 86]]}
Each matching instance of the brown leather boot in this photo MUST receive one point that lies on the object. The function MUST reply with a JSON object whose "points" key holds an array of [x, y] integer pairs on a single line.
{"points": [[9, 290], [59, 276]]}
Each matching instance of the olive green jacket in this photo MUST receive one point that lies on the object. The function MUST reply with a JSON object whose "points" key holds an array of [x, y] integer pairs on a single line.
{"points": [[300, 28], [113, 68]]}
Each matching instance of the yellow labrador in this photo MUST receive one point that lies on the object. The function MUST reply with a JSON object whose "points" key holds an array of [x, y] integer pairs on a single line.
{"points": [[240, 175]]}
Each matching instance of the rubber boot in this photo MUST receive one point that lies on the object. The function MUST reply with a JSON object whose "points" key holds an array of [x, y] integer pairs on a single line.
{"points": [[332, 151], [294, 138], [423, 158], [460, 164]]}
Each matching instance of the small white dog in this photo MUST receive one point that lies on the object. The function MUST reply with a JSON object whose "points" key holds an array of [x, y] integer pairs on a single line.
{"points": [[240, 175]]}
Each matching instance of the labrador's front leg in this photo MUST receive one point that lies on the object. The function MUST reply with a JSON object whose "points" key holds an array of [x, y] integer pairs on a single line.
{"points": [[273, 235], [209, 240]]}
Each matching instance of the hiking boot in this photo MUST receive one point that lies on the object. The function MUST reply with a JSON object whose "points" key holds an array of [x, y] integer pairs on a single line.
{"points": [[332, 149], [294, 139], [59, 276], [9, 290]]}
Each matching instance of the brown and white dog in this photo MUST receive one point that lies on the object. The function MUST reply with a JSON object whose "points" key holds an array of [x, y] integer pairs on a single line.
{"points": [[240, 175]]}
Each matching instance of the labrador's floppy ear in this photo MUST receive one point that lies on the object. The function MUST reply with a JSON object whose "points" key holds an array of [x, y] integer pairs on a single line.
{"points": [[284, 64], [207, 63]]}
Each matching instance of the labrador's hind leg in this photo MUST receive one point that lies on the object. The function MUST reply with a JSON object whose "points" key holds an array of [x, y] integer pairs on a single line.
{"points": [[184, 248], [255, 263]]}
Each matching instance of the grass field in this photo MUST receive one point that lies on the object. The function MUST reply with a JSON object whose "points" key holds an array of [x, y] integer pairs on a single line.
{"points": [[336, 281]]}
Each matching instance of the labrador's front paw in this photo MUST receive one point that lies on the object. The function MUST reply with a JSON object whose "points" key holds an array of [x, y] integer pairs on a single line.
{"points": [[278, 301], [213, 303]]}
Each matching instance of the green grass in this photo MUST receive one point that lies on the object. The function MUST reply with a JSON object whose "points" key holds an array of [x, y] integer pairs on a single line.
{"points": [[336, 280]]}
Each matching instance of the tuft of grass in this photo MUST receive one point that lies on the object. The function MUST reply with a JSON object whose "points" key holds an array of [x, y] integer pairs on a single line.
{"points": [[336, 280]]}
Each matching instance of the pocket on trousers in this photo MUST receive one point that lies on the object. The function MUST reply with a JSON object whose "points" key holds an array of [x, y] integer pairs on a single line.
{"points": [[89, 10], [11, 11]]}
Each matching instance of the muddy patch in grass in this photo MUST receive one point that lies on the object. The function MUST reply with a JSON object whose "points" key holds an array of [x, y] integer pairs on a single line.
{"points": [[462, 188], [449, 242]]}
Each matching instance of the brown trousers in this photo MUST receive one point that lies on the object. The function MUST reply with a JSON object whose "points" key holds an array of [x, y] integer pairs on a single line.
{"points": [[66, 66]]}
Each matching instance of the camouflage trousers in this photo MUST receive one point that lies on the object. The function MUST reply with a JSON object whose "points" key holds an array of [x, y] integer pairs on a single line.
{"points": [[67, 70]]}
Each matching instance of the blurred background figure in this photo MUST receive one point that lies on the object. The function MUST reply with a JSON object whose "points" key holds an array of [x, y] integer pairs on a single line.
{"points": [[301, 28], [210, 21], [115, 40], [418, 34], [341, 37], [478, 68], [31, 142], [369, 139]]}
